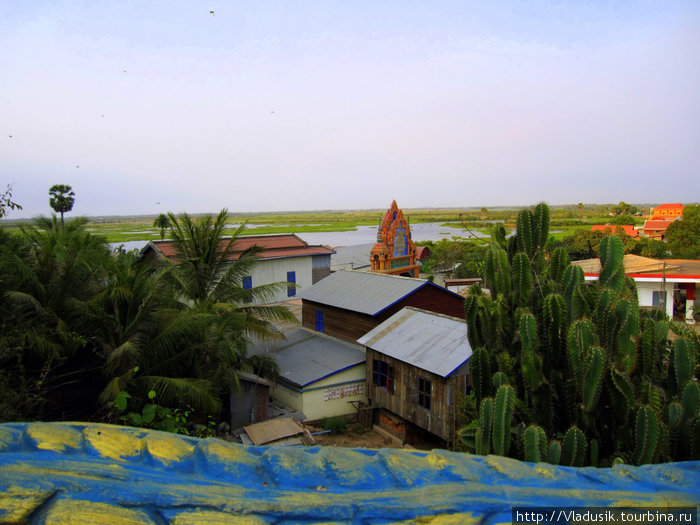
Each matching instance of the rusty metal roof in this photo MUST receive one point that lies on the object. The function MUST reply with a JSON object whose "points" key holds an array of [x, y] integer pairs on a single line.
{"points": [[274, 247], [364, 292], [433, 342]]}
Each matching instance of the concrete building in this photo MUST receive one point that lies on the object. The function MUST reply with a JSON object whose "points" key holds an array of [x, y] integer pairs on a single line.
{"points": [[284, 258]]}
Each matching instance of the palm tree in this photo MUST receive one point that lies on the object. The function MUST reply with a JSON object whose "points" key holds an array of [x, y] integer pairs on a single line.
{"points": [[163, 223], [62, 199], [186, 326]]}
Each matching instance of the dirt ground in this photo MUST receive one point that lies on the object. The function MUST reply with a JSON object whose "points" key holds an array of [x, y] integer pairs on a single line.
{"points": [[350, 439]]}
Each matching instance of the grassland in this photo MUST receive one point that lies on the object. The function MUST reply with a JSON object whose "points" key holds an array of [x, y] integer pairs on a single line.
{"points": [[564, 221]]}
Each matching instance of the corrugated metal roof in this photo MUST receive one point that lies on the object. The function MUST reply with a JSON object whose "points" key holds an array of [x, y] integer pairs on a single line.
{"points": [[434, 342], [365, 292], [274, 246], [306, 356]]}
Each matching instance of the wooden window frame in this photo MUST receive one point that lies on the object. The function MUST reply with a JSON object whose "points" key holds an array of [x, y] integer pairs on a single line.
{"points": [[383, 375], [425, 392]]}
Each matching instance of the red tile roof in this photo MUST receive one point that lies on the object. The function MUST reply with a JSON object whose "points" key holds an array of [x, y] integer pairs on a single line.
{"points": [[628, 229], [669, 206], [659, 225], [274, 246]]}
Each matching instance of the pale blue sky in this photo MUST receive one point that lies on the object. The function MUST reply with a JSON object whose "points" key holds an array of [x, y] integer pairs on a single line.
{"points": [[269, 106]]}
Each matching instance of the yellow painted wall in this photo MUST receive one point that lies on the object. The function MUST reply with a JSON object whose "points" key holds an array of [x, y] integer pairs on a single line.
{"points": [[313, 403]]}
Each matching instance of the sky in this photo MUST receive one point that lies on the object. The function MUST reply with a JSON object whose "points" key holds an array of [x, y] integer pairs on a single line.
{"points": [[146, 107]]}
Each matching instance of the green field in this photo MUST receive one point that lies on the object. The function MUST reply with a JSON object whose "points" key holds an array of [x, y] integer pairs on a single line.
{"points": [[564, 220]]}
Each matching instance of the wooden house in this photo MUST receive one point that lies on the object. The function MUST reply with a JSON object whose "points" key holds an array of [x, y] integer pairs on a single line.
{"points": [[348, 304], [284, 258], [417, 364]]}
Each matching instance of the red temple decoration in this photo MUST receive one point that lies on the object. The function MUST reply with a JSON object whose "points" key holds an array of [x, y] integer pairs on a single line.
{"points": [[395, 252]]}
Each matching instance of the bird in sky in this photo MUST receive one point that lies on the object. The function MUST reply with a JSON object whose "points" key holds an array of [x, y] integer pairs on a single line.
{"points": [[211, 11]]}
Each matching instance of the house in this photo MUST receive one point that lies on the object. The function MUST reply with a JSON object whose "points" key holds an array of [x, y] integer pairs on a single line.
{"points": [[417, 363], [656, 229], [667, 211], [661, 283], [348, 304], [284, 258], [612, 228], [320, 376], [355, 257]]}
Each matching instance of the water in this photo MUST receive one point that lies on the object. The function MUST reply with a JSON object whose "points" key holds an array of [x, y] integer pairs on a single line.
{"points": [[426, 231]]}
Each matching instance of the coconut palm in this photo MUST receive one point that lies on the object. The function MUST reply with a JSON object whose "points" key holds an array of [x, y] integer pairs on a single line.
{"points": [[208, 278]]}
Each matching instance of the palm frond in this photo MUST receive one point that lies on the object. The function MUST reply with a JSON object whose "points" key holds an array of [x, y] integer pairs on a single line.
{"points": [[182, 391]]}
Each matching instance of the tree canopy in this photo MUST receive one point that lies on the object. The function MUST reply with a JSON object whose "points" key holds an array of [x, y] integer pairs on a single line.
{"points": [[683, 235], [61, 198]]}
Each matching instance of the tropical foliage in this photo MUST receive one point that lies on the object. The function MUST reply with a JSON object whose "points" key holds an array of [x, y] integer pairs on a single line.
{"points": [[683, 236], [570, 372], [61, 198], [80, 325]]}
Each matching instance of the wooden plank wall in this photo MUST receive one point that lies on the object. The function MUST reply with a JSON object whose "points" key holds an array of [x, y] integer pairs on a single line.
{"points": [[404, 400], [343, 324]]}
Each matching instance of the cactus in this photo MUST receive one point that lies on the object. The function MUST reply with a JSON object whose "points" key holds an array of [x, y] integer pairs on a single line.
{"points": [[481, 373], [535, 444], [683, 361], [593, 367], [646, 435], [573, 449], [624, 386], [594, 452], [502, 418], [559, 263], [572, 277], [581, 338], [540, 223], [554, 452], [498, 379], [691, 400], [484, 429], [522, 280], [524, 225], [612, 273]]}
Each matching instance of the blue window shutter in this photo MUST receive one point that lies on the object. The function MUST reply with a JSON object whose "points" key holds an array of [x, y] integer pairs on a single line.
{"points": [[247, 282], [291, 278], [319, 320]]}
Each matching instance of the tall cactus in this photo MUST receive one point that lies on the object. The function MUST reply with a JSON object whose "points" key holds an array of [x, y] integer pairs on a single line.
{"points": [[535, 444], [683, 361], [646, 435], [485, 427], [573, 449], [481, 373], [522, 279], [503, 406], [612, 273]]}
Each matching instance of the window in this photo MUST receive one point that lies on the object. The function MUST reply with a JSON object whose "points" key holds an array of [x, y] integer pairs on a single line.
{"points": [[291, 288], [247, 285], [383, 375], [425, 390], [658, 298], [319, 320]]}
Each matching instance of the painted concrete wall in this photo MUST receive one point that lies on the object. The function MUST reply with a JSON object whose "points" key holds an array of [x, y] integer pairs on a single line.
{"points": [[275, 270], [644, 293], [328, 397], [91, 473]]}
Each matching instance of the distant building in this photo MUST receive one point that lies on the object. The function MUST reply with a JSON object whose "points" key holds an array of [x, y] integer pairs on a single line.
{"points": [[347, 304], [284, 258], [656, 229], [417, 365], [612, 228], [667, 211], [394, 253]]}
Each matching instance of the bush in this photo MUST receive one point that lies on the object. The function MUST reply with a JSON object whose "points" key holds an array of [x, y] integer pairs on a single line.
{"points": [[336, 424]]}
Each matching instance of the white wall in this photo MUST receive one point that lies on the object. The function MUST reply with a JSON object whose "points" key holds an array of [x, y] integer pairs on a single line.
{"points": [[275, 270], [644, 292]]}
